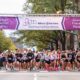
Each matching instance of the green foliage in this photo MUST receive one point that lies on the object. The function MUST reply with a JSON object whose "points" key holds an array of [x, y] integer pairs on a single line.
{"points": [[50, 6], [43, 38], [43, 6], [5, 43]]}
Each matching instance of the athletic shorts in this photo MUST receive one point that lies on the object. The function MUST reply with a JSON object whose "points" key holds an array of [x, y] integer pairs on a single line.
{"points": [[22, 61], [48, 62], [29, 60], [72, 60], [10, 61], [19, 60], [25, 60], [37, 60], [66, 60], [3, 59]]}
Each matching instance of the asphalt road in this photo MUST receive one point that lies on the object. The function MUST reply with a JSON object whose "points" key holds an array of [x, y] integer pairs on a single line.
{"points": [[24, 75]]}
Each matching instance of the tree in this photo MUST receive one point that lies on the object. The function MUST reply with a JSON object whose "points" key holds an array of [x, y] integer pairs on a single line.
{"points": [[45, 38], [5, 43], [49, 6], [41, 39], [42, 6], [9, 44]]}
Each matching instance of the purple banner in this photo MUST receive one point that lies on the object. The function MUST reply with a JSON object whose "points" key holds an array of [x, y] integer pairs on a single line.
{"points": [[40, 23], [9, 23], [71, 23]]}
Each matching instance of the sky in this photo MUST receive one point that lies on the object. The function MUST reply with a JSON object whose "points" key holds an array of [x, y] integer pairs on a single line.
{"points": [[11, 7]]}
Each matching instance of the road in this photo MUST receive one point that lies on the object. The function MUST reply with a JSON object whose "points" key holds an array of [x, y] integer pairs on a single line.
{"points": [[39, 75]]}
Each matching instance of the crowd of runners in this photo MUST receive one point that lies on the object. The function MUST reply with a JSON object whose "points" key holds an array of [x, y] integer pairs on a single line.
{"points": [[50, 60]]}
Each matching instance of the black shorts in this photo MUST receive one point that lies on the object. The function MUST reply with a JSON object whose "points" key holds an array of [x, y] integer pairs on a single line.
{"points": [[37, 60], [29, 60], [10, 61], [26, 61], [48, 62], [66, 60], [19, 60], [72, 60], [22, 61], [3, 59]]}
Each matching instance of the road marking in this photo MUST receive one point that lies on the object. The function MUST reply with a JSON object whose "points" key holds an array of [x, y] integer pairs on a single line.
{"points": [[35, 76]]}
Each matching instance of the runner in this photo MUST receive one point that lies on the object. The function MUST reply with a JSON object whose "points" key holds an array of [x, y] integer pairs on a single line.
{"points": [[52, 58], [19, 59], [10, 60], [55, 59], [69, 55], [42, 60], [4, 60], [64, 61], [37, 59], [25, 60], [47, 60], [30, 57]]}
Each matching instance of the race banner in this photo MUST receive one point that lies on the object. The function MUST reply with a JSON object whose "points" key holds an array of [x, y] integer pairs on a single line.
{"points": [[71, 23], [9, 22], [40, 22]]}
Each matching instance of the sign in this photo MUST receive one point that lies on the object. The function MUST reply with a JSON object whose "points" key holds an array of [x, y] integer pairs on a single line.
{"points": [[9, 22], [71, 23], [40, 22]]}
